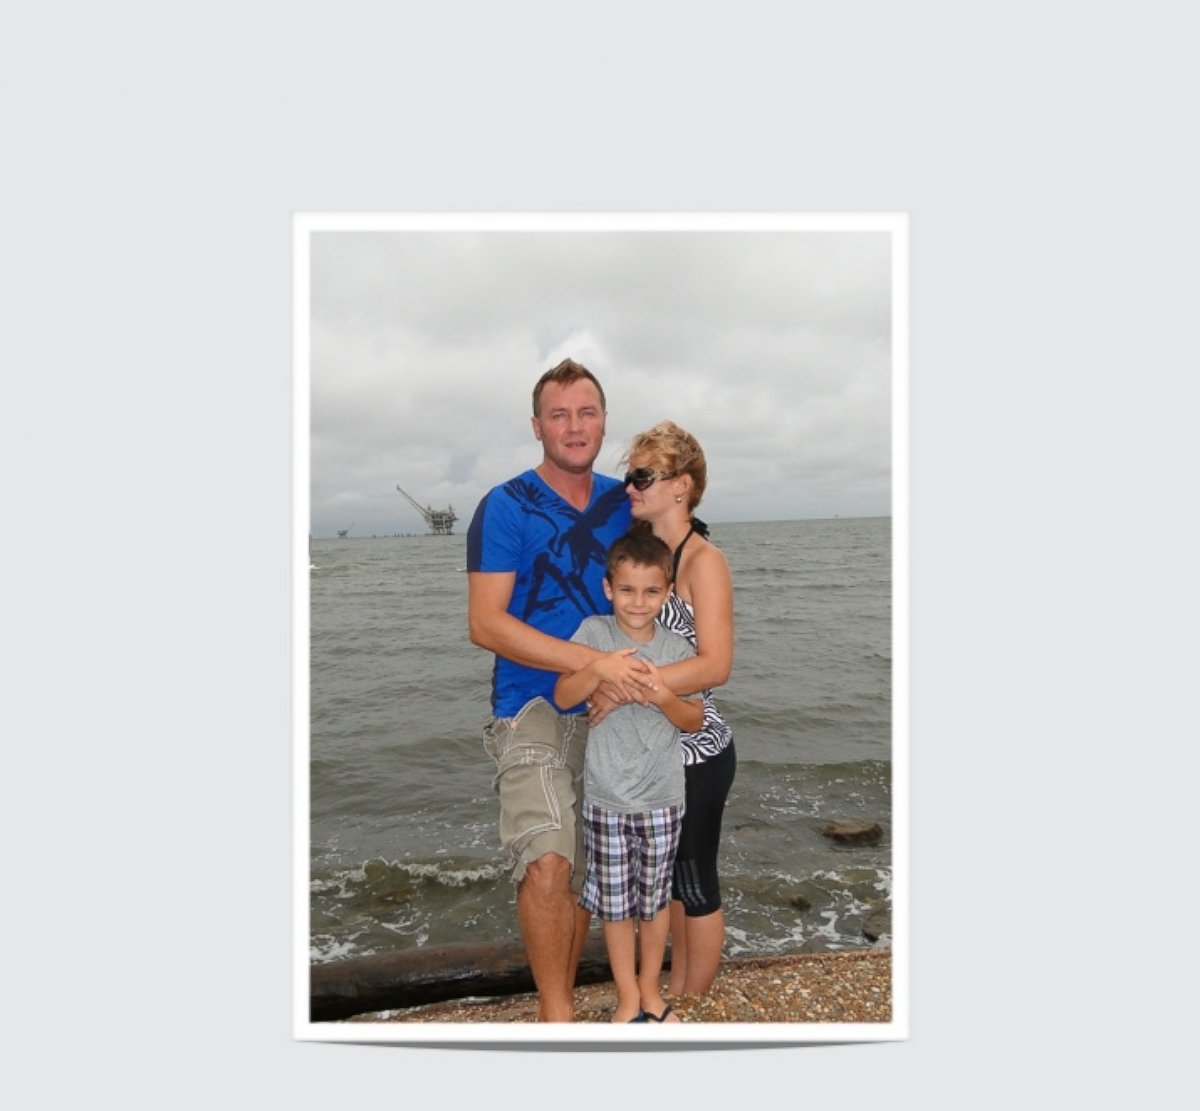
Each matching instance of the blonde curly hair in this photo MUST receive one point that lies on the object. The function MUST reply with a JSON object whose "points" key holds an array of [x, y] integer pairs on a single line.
{"points": [[672, 452]]}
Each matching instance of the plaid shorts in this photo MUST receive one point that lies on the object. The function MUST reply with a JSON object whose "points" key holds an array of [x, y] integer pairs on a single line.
{"points": [[629, 861]]}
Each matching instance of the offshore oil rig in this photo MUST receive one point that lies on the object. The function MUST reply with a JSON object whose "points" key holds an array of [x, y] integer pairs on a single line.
{"points": [[440, 521]]}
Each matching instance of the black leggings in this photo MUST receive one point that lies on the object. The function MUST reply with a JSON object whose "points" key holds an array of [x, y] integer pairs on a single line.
{"points": [[695, 881]]}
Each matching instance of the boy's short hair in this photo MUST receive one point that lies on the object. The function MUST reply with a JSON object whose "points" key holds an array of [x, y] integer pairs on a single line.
{"points": [[641, 547]]}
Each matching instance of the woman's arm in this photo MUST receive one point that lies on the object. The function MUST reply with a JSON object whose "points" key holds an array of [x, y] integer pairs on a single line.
{"points": [[709, 589]]}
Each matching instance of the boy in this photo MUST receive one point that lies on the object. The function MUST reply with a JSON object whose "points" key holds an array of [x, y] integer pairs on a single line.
{"points": [[633, 787]]}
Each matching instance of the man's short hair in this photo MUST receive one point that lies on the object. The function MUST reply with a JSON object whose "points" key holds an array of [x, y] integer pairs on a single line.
{"points": [[641, 547], [564, 374]]}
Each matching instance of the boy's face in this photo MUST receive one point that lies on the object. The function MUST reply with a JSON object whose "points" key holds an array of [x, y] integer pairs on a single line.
{"points": [[637, 593]]}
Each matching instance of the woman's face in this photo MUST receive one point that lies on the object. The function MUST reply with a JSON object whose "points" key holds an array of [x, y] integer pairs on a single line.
{"points": [[657, 498]]}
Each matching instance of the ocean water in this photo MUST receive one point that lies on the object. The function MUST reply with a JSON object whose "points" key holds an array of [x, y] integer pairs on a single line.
{"points": [[403, 840]]}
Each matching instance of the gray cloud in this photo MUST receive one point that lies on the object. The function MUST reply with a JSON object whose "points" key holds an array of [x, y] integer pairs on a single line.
{"points": [[773, 347]]}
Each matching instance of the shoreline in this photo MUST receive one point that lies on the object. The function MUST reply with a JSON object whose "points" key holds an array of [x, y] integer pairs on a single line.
{"points": [[830, 987]]}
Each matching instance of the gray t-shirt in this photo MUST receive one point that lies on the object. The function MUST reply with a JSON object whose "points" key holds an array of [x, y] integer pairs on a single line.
{"points": [[634, 761]]}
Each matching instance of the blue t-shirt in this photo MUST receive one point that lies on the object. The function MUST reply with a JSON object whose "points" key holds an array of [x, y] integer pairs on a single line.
{"points": [[558, 553]]}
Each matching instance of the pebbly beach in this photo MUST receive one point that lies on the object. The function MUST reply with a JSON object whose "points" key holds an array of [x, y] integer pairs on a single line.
{"points": [[830, 987]]}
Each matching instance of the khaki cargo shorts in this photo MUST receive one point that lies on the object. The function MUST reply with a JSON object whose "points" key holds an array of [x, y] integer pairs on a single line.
{"points": [[539, 778]]}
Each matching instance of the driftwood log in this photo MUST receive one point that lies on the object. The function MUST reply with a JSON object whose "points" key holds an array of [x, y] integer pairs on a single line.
{"points": [[388, 981]]}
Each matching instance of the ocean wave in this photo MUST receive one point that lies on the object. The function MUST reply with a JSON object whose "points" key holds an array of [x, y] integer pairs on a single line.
{"points": [[403, 878]]}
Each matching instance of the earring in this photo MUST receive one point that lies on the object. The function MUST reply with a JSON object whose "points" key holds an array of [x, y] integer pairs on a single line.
{"points": [[678, 499]]}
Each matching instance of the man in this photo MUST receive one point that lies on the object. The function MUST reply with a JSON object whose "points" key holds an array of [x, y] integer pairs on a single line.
{"points": [[536, 555]]}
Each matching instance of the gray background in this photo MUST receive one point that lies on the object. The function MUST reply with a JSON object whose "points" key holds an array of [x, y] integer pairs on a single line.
{"points": [[155, 157]]}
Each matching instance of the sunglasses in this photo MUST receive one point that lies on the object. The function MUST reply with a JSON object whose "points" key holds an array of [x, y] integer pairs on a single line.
{"points": [[643, 478]]}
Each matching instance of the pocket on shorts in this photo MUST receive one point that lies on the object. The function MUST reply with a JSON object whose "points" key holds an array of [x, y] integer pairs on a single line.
{"points": [[530, 739], [536, 754]]}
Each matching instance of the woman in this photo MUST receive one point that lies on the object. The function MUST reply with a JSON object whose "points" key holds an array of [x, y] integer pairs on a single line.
{"points": [[666, 480]]}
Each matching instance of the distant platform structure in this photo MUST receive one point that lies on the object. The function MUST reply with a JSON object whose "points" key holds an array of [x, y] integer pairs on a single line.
{"points": [[440, 521]]}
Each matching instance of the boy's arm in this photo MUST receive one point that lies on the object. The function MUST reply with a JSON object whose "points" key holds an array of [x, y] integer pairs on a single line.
{"points": [[683, 713], [686, 714]]}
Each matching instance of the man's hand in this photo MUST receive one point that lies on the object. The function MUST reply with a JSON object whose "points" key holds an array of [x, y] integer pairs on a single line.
{"points": [[607, 697], [623, 672]]}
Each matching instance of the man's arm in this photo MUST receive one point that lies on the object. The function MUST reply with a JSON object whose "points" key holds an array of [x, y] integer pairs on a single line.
{"points": [[494, 628], [610, 667], [572, 688]]}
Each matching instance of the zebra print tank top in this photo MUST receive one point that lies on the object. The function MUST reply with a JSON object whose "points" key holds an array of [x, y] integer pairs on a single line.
{"points": [[715, 733]]}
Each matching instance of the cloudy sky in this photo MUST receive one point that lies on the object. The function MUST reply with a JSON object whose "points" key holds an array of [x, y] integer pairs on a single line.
{"points": [[770, 341]]}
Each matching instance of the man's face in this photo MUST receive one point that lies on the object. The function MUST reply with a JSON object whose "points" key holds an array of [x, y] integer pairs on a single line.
{"points": [[570, 424]]}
